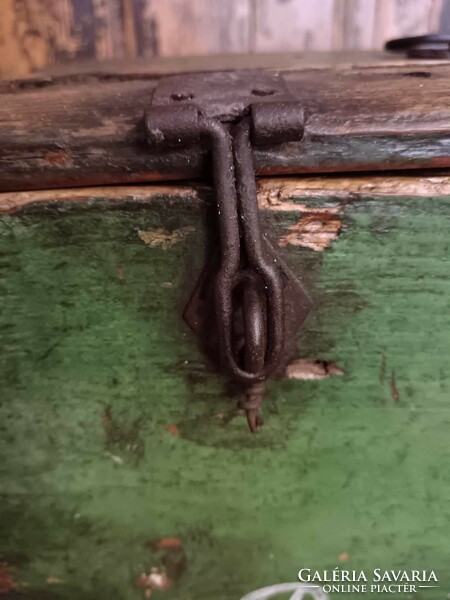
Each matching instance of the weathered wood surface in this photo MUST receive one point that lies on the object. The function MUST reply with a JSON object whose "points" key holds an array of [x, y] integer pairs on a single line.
{"points": [[228, 62], [342, 24], [38, 33], [121, 452], [88, 130], [274, 193]]}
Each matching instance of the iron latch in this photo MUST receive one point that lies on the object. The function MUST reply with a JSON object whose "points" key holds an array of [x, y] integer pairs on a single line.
{"points": [[258, 304]]}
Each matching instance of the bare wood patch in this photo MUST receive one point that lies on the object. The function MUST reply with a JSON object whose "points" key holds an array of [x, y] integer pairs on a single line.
{"points": [[274, 194], [54, 580], [13, 202], [287, 193], [310, 369], [167, 543], [172, 429], [164, 238], [315, 231], [156, 580], [7, 583]]}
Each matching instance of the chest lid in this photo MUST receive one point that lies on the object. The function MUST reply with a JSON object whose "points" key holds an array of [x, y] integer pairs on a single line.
{"points": [[348, 113]]}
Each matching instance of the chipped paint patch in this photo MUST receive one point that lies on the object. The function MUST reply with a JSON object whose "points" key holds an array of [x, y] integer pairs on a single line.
{"points": [[394, 390], [164, 238], [315, 231], [156, 580], [7, 583], [289, 193], [120, 270], [167, 543], [59, 158], [172, 429], [308, 369], [122, 436], [117, 459]]}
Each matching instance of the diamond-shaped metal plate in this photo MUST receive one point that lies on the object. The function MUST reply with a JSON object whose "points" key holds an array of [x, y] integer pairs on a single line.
{"points": [[200, 315]]}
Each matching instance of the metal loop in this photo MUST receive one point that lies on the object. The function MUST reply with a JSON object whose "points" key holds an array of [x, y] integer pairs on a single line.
{"points": [[242, 250], [251, 285], [269, 272]]}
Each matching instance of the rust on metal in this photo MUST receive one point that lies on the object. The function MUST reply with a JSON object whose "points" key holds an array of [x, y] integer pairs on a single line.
{"points": [[255, 299]]}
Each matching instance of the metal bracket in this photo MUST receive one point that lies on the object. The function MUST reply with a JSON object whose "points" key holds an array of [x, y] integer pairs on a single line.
{"points": [[258, 304]]}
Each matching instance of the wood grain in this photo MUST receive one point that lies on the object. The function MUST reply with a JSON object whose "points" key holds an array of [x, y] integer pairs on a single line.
{"points": [[89, 130], [116, 434], [274, 193], [293, 26], [341, 24], [183, 28], [401, 18], [357, 24], [108, 28], [35, 33], [38, 33]]}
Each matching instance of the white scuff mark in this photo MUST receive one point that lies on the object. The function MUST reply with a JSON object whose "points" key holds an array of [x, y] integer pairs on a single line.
{"points": [[164, 238], [117, 459], [312, 370]]}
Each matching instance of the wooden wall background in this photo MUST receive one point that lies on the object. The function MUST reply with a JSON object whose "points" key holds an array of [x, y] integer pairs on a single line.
{"points": [[37, 33]]}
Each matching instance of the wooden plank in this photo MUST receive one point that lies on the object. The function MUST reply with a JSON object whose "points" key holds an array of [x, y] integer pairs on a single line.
{"points": [[183, 28], [228, 62], [274, 193], [36, 33], [108, 29], [14, 202], [341, 24], [129, 29], [358, 24], [118, 442], [293, 26], [444, 19], [396, 18], [367, 118]]}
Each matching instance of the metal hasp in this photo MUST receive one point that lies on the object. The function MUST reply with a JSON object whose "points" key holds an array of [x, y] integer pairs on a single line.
{"points": [[257, 304]]}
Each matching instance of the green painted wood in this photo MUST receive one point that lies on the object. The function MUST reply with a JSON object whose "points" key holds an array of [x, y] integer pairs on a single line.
{"points": [[114, 434]]}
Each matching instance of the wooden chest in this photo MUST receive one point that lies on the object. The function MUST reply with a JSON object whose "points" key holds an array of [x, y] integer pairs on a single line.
{"points": [[127, 471]]}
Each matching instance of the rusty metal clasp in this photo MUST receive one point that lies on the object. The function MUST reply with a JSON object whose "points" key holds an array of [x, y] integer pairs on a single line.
{"points": [[251, 286]]}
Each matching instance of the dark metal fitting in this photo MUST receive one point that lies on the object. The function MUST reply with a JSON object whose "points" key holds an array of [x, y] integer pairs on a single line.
{"points": [[277, 122], [252, 292], [243, 345], [268, 269], [173, 125], [431, 46], [252, 406]]}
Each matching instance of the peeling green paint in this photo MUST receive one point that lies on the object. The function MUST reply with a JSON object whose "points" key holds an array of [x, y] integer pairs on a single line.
{"points": [[115, 434]]}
